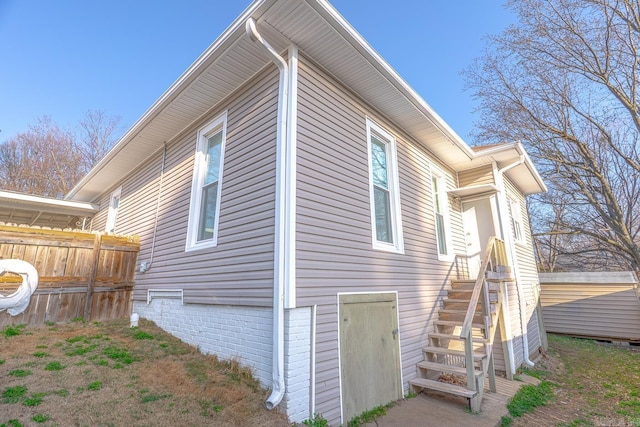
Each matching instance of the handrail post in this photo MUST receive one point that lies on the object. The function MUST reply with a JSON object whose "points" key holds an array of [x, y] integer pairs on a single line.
{"points": [[470, 365]]}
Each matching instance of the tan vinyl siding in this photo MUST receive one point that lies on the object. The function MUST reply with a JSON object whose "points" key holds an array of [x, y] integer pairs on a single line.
{"points": [[334, 248], [479, 176], [239, 271], [594, 305], [528, 273]]}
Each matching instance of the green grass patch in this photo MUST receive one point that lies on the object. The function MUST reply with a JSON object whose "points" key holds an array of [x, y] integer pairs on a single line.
{"points": [[40, 418], [40, 354], [530, 397], [369, 416], [152, 397], [75, 339], [13, 330], [80, 350], [535, 373], [14, 394], [142, 335], [317, 421], [12, 423], [94, 386], [34, 400], [20, 373], [120, 355], [54, 366]]}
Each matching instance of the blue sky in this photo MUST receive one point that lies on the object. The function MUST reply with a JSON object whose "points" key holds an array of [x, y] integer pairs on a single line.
{"points": [[64, 57]]}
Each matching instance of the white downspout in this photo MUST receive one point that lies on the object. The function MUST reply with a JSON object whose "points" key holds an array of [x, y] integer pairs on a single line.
{"points": [[279, 256], [521, 302]]}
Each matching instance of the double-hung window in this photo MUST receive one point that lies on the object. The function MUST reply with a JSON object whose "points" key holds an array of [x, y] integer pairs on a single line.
{"points": [[384, 190], [207, 185], [441, 214], [516, 220]]}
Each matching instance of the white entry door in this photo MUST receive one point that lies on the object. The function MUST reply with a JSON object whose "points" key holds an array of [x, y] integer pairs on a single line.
{"points": [[474, 248]]}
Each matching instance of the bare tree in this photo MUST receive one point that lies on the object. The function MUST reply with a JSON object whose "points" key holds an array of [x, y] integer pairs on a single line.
{"points": [[43, 160], [564, 81], [97, 134], [48, 161]]}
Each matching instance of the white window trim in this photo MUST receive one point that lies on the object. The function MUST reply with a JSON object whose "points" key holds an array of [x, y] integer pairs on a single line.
{"points": [[199, 172], [444, 203], [397, 245], [112, 215], [515, 212]]}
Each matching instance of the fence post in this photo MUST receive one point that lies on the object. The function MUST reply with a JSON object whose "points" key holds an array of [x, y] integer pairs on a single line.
{"points": [[97, 242]]}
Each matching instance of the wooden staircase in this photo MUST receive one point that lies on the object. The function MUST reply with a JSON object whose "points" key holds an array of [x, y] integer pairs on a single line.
{"points": [[460, 352]]}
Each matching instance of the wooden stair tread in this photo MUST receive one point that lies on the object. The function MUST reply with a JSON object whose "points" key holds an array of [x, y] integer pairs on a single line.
{"points": [[441, 350], [465, 302], [440, 367], [457, 323], [463, 313], [457, 337], [444, 387]]}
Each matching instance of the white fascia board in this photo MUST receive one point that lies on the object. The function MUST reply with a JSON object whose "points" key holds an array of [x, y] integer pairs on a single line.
{"points": [[332, 16], [227, 38]]}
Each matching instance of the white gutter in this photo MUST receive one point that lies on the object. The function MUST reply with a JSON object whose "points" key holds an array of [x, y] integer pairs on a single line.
{"points": [[280, 254], [514, 261]]}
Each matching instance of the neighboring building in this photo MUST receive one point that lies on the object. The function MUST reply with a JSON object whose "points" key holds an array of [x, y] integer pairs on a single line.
{"points": [[301, 208]]}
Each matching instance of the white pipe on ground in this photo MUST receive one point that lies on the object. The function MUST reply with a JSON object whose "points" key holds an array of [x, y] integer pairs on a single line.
{"points": [[18, 301]]}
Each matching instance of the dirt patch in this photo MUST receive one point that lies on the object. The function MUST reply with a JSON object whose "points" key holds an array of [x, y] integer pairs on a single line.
{"points": [[107, 374]]}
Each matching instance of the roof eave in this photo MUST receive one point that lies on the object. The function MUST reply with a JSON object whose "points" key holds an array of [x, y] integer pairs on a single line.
{"points": [[326, 10], [235, 30]]}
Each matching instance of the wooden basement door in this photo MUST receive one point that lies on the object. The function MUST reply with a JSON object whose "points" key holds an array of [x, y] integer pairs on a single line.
{"points": [[369, 352]]}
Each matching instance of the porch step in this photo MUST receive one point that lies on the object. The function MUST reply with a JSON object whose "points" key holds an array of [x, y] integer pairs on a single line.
{"points": [[462, 284], [451, 352], [451, 314], [443, 387], [476, 340], [455, 323], [440, 367], [465, 294]]}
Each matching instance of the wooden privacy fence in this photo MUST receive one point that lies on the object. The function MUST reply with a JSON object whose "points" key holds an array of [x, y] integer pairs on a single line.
{"points": [[82, 274]]}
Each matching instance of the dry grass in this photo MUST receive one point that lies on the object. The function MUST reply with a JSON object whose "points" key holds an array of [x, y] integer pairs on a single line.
{"points": [[595, 384], [106, 374]]}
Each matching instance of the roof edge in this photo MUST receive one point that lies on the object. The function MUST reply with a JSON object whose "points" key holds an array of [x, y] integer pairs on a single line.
{"points": [[236, 28], [350, 34]]}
